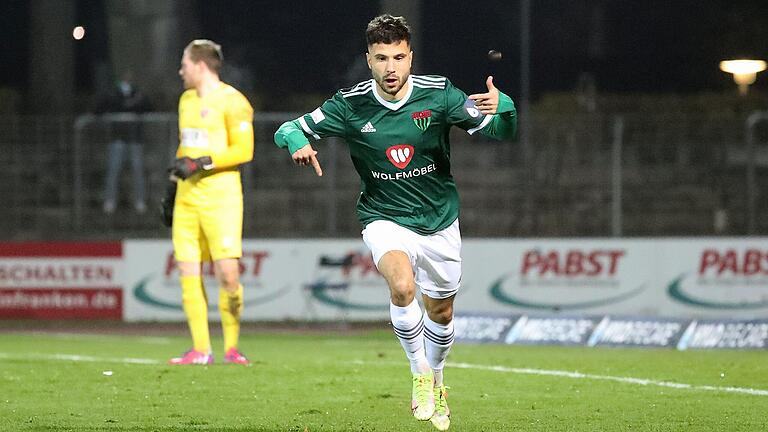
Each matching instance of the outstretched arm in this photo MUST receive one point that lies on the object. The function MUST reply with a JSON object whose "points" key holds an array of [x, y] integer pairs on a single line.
{"points": [[290, 136], [503, 124]]}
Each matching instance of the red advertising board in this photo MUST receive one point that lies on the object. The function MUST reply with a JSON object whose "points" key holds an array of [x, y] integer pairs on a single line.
{"points": [[78, 280], [61, 303]]}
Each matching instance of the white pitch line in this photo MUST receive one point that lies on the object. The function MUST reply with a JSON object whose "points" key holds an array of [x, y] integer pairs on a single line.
{"points": [[157, 340], [77, 358], [579, 375], [522, 371], [627, 380]]}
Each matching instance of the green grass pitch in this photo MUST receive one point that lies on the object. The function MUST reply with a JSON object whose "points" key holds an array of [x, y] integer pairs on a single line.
{"points": [[360, 381]]}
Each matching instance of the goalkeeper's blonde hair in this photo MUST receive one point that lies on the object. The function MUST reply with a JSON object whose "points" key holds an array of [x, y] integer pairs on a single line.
{"points": [[206, 51]]}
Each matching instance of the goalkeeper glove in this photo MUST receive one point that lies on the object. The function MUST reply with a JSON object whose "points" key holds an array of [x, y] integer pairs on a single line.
{"points": [[167, 203], [186, 166]]}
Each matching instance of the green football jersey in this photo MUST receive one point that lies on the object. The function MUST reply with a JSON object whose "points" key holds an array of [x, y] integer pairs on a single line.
{"points": [[401, 149]]}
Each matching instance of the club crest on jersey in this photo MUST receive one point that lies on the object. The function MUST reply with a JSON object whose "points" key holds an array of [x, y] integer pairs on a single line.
{"points": [[422, 119], [400, 155], [204, 112]]}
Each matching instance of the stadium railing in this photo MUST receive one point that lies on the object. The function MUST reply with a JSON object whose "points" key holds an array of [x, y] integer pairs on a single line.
{"points": [[659, 175]]}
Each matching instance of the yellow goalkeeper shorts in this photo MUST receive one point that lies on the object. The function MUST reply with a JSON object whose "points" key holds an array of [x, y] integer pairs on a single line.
{"points": [[203, 232]]}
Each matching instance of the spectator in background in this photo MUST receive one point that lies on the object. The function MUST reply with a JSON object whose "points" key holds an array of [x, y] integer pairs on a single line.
{"points": [[121, 104]]}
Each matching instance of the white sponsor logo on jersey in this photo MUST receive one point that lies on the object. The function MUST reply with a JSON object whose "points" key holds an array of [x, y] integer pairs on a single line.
{"points": [[194, 138], [368, 128], [400, 155], [416, 172]]}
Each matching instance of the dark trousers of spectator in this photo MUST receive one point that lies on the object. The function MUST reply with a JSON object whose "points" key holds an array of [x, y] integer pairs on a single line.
{"points": [[115, 153]]}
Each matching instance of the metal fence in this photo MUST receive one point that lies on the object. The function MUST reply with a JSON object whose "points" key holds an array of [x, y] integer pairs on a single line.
{"points": [[590, 175]]}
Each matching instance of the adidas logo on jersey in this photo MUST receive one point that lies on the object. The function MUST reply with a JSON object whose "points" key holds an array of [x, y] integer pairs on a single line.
{"points": [[368, 128]]}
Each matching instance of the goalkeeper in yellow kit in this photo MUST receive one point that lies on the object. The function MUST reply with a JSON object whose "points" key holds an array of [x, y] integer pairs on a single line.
{"points": [[215, 137]]}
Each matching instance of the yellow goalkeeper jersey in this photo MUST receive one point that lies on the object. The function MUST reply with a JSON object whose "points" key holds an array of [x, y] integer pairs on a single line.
{"points": [[219, 125]]}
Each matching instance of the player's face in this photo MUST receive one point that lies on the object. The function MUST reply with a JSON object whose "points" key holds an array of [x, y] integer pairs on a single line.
{"points": [[189, 71], [390, 65]]}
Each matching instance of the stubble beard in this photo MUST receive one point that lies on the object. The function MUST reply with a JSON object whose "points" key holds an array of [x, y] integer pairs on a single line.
{"points": [[393, 91]]}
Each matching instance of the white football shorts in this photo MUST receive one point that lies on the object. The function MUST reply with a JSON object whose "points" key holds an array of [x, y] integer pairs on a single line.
{"points": [[435, 258]]}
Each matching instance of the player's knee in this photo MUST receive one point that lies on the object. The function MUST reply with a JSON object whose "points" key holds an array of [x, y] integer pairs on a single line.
{"points": [[441, 313], [230, 281], [188, 268], [402, 291]]}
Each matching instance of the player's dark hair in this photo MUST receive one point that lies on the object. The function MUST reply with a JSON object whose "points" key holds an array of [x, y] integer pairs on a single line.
{"points": [[387, 29], [206, 51]]}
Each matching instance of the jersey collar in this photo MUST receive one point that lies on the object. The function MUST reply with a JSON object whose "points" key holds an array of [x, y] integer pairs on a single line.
{"points": [[394, 106]]}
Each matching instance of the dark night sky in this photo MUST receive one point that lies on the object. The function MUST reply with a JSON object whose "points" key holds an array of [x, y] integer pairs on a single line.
{"points": [[14, 22], [627, 45]]}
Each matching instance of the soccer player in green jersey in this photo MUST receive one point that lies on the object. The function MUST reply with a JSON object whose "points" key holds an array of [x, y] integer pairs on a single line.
{"points": [[396, 126]]}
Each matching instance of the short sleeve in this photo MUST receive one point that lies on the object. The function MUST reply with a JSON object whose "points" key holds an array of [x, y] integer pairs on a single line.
{"points": [[327, 120], [239, 113]]}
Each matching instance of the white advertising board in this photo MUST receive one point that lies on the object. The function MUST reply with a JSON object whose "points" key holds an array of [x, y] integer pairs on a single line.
{"points": [[336, 279], [283, 279]]}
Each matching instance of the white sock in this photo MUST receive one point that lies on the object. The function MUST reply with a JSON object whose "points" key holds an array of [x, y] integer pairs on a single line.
{"points": [[438, 377], [408, 326], [438, 339]]}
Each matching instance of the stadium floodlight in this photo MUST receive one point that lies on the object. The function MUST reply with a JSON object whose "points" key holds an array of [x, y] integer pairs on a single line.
{"points": [[744, 71]]}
